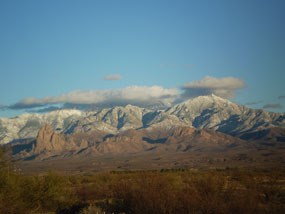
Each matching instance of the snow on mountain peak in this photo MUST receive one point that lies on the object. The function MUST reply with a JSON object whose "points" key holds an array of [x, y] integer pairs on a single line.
{"points": [[207, 100], [211, 112], [191, 108], [27, 125]]}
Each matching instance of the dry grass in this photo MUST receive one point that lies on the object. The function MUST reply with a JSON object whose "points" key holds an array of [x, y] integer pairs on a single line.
{"points": [[184, 192], [158, 192]]}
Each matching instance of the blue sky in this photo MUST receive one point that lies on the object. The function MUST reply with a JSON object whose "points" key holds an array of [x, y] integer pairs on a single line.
{"points": [[52, 52]]}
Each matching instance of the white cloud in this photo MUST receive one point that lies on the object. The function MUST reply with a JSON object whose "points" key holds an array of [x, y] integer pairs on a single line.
{"points": [[140, 95], [113, 77], [224, 87]]}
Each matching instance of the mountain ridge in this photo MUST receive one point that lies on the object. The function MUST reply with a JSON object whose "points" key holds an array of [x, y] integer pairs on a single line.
{"points": [[50, 144], [203, 112]]}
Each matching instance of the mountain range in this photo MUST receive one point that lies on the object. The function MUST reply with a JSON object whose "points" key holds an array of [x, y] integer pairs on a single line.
{"points": [[204, 112], [204, 124]]}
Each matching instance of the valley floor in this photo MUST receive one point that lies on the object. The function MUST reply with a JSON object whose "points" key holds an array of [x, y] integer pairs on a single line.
{"points": [[262, 158], [229, 181]]}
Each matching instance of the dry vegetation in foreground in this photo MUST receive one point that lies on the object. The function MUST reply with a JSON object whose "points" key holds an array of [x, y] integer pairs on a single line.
{"points": [[165, 191]]}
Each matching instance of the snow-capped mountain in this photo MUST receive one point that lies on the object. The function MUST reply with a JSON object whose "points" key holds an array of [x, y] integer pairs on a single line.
{"points": [[28, 125], [213, 112], [209, 112], [110, 120]]}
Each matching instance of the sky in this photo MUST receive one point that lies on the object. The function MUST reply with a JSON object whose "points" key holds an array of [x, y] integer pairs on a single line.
{"points": [[66, 54]]}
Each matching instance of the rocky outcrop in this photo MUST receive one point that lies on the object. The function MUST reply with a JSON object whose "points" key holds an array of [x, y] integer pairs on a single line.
{"points": [[177, 139], [50, 141]]}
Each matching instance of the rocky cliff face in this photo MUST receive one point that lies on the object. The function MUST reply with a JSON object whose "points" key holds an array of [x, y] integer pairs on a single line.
{"points": [[48, 141], [177, 139]]}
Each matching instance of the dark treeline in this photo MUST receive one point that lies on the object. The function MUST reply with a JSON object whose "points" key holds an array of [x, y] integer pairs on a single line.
{"points": [[165, 191]]}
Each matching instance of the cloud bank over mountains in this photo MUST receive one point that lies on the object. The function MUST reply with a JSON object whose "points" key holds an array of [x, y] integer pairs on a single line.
{"points": [[137, 95], [223, 87]]}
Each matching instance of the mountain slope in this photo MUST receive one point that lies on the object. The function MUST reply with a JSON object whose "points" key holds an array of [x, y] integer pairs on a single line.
{"points": [[219, 114], [28, 125], [204, 112], [110, 120]]}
